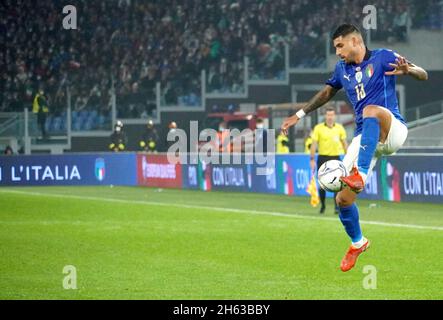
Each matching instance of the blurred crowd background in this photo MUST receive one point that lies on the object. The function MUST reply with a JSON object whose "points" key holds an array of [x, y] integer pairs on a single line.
{"points": [[130, 45]]}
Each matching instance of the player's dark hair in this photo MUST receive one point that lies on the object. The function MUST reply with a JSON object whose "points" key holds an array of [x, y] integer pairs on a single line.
{"points": [[344, 30]]}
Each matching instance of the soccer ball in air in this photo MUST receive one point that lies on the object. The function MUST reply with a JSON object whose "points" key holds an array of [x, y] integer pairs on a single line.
{"points": [[329, 175]]}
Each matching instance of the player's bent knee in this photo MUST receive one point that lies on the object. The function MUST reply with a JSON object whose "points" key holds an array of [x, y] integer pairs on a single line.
{"points": [[371, 111], [345, 199], [343, 202]]}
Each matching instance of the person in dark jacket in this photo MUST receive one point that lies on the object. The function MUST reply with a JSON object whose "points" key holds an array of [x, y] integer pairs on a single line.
{"points": [[118, 138], [149, 139]]}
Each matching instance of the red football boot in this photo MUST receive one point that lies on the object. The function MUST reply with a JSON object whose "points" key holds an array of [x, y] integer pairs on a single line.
{"points": [[351, 256], [354, 181]]}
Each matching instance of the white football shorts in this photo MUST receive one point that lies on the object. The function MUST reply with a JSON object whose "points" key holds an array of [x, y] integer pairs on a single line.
{"points": [[396, 137]]}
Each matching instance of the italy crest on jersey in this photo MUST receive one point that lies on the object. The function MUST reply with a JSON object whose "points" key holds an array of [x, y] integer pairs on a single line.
{"points": [[369, 70], [358, 76]]}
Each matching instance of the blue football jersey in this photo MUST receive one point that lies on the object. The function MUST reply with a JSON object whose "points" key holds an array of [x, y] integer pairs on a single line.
{"points": [[366, 83]]}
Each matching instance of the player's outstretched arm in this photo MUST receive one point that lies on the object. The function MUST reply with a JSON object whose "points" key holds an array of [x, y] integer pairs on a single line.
{"points": [[402, 66], [323, 96]]}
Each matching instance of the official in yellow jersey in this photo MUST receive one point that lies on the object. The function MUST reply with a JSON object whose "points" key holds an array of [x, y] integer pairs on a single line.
{"points": [[41, 109], [330, 139], [282, 143], [308, 143]]}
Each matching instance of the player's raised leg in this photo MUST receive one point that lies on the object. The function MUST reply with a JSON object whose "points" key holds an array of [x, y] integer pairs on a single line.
{"points": [[375, 129]]}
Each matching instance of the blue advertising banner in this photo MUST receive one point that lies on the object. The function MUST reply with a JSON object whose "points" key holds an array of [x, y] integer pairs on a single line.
{"points": [[76, 169], [293, 174], [237, 177], [232, 177], [190, 176], [412, 178], [395, 178], [372, 190], [265, 180]]}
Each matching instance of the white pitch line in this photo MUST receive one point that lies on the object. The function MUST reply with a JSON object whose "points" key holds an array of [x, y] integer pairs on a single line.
{"points": [[231, 210]]}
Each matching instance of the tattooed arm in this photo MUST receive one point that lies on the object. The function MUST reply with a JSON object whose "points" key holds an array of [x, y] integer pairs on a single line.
{"points": [[316, 102]]}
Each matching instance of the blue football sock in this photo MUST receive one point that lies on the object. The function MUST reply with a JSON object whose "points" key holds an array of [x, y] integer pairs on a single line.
{"points": [[369, 140], [349, 219]]}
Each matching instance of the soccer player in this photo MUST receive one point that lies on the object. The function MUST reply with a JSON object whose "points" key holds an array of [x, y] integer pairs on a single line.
{"points": [[368, 77]]}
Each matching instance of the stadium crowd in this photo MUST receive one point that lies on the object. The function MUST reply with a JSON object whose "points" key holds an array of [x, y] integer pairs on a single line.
{"points": [[130, 45]]}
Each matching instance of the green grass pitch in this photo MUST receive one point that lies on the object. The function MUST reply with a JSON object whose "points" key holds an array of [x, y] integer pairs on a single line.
{"points": [[148, 243]]}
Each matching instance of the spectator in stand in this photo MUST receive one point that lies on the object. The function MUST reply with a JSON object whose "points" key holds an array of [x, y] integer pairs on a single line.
{"points": [[8, 151]]}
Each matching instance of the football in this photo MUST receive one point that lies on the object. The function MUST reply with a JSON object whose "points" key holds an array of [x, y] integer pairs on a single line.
{"points": [[329, 175]]}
